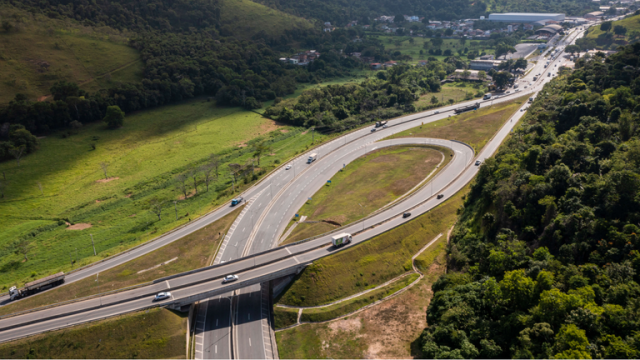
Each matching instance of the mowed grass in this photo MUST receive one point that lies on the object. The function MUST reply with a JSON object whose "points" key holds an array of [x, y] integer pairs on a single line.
{"points": [[144, 158], [351, 305], [153, 334], [388, 330], [404, 45], [245, 18], [371, 263], [193, 251], [365, 185], [284, 317], [473, 127], [458, 91], [431, 255], [42, 51]]}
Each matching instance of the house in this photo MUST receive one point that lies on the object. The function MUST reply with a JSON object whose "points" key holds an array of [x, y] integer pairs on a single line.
{"points": [[485, 65], [389, 64], [293, 61], [595, 15], [375, 66], [470, 75], [356, 54], [422, 63], [486, 57]]}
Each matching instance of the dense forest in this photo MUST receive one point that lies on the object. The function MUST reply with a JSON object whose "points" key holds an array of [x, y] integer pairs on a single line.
{"points": [[340, 12], [545, 259], [389, 94], [185, 55]]}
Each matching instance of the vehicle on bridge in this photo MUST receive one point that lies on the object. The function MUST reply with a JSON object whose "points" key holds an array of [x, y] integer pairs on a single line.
{"points": [[162, 296], [341, 239], [313, 157], [35, 286], [467, 108], [229, 278]]}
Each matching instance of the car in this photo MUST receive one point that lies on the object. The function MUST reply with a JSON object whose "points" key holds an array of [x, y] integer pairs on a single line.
{"points": [[374, 130], [508, 92], [436, 112], [288, 167], [440, 196], [385, 126], [526, 86], [161, 296], [478, 162], [229, 278], [406, 215]]}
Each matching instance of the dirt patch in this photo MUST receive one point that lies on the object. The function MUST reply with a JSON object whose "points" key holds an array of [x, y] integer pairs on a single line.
{"points": [[243, 145], [98, 201], [339, 219], [107, 180], [128, 195], [80, 226], [43, 98], [132, 215], [347, 324], [270, 126], [189, 194]]}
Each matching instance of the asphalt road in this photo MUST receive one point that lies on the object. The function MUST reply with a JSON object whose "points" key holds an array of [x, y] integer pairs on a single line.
{"points": [[274, 201]]}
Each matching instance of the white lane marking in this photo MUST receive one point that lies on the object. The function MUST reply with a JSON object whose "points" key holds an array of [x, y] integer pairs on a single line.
{"points": [[288, 250], [168, 286], [216, 349], [294, 258], [243, 228], [249, 341]]}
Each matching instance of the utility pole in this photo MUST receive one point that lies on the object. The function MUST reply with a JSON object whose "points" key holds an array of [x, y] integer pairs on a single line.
{"points": [[175, 205], [94, 245]]}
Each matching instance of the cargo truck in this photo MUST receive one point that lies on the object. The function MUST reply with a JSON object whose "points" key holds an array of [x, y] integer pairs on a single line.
{"points": [[341, 239], [35, 286], [487, 96], [467, 108], [313, 157], [381, 123]]}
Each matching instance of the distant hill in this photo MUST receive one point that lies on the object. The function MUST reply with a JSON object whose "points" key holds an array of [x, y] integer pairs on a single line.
{"points": [[569, 7], [609, 39]]}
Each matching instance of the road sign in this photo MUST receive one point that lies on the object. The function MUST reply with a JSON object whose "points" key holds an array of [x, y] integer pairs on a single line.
{"points": [[328, 181], [310, 199], [297, 215]]}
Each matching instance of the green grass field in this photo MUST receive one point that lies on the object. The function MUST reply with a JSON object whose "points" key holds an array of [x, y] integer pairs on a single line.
{"points": [[152, 334], [372, 263], [246, 18], [404, 45], [284, 317], [631, 23], [351, 305], [193, 251], [144, 157], [474, 127], [41, 51], [458, 91], [365, 185]]}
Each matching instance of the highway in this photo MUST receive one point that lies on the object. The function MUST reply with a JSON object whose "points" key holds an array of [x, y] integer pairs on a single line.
{"points": [[271, 204]]}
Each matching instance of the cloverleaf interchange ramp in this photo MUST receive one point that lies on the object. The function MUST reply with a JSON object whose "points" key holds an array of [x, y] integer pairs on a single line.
{"points": [[270, 215]]}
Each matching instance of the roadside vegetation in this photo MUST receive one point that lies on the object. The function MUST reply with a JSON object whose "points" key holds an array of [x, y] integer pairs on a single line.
{"points": [[474, 127], [612, 34], [387, 330], [458, 91], [365, 185], [284, 317], [152, 334], [60, 195], [192, 251]]}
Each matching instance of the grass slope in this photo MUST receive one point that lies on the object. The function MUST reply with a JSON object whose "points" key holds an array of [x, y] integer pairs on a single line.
{"points": [[405, 47], [632, 23], [474, 128], [365, 185], [152, 334], [72, 52], [193, 251], [145, 157], [386, 331], [372, 263], [246, 18]]}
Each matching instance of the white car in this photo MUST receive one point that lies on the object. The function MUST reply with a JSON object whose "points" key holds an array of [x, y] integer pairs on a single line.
{"points": [[162, 296], [229, 278], [288, 167], [385, 126]]}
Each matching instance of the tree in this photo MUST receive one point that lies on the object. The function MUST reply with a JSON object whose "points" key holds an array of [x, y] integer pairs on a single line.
{"points": [[503, 49], [482, 75], [193, 174], [260, 149], [501, 79], [398, 19], [7, 26], [104, 166], [181, 181], [466, 74], [620, 30], [214, 160], [434, 99], [236, 170], [114, 117], [156, 205], [605, 26], [18, 152], [436, 42], [207, 170], [451, 101], [572, 49]]}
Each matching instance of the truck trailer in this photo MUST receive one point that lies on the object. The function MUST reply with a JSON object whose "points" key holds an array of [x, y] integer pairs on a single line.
{"points": [[36, 285], [381, 123], [467, 108], [341, 239], [313, 157]]}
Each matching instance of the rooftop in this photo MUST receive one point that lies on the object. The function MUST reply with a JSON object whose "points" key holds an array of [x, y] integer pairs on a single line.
{"points": [[525, 14]]}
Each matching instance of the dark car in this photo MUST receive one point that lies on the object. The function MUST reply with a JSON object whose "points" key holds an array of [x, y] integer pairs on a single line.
{"points": [[440, 196], [406, 215]]}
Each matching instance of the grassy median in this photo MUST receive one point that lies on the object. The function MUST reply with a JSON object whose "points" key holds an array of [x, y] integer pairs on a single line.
{"points": [[365, 185], [152, 334], [190, 252]]}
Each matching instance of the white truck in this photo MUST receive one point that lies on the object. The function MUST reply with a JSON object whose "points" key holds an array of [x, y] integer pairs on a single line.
{"points": [[487, 96], [313, 157], [36, 285], [341, 239]]}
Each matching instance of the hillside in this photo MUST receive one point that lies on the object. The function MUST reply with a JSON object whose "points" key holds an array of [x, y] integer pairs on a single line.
{"points": [[610, 39], [39, 51], [569, 7], [246, 19]]}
